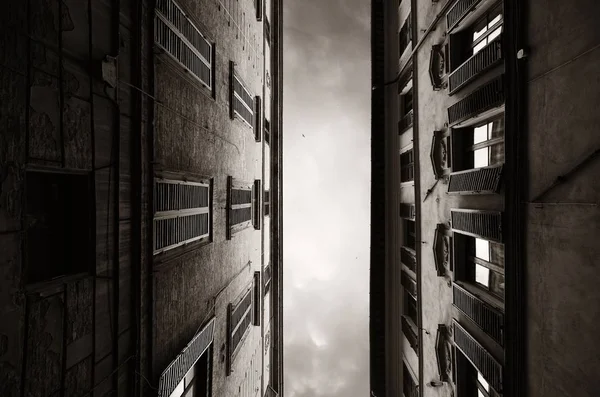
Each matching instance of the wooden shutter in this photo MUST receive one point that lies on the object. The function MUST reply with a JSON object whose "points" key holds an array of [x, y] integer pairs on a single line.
{"points": [[483, 361], [476, 181], [476, 223], [486, 97], [181, 213], [488, 318]]}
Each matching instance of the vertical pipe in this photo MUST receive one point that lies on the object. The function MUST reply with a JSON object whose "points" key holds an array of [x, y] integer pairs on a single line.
{"points": [[60, 84]]}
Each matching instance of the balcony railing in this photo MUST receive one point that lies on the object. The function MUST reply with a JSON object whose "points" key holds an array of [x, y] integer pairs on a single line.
{"points": [[410, 334], [459, 10], [405, 122], [407, 211], [476, 181], [479, 357], [408, 257], [482, 224], [488, 318], [485, 59], [487, 97]]}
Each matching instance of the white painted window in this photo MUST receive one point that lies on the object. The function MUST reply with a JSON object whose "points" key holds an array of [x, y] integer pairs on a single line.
{"points": [[181, 213], [175, 33]]}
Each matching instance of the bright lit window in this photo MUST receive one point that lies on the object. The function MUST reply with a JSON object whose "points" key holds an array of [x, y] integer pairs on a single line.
{"points": [[482, 249], [488, 143], [482, 275], [487, 29]]}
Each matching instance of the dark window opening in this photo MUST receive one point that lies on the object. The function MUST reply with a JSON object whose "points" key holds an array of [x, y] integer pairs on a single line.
{"points": [[198, 381], [58, 225], [470, 382], [409, 234], [404, 36], [407, 166]]}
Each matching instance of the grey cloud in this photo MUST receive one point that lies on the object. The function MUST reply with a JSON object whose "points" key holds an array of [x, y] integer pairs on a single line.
{"points": [[326, 197]]}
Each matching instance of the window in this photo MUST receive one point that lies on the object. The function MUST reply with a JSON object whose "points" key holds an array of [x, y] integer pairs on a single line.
{"points": [[267, 279], [407, 103], [404, 36], [242, 102], [198, 380], [239, 214], [181, 213], [471, 382], [59, 219], [486, 30], [409, 233], [239, 318], [257, 190], [482, 265], [407, 166], [267, 131], [479, 146], [406, 109], [259, 9], [256, 299], [488, 143], [258, 118], [267, 200], [178, 36]]}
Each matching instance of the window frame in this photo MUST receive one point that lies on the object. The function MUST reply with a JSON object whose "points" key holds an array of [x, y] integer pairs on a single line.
{"points": [[464, 148], [410, 234]]}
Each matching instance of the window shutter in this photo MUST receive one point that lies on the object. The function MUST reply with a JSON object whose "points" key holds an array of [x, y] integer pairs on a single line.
{"points": [[181, 213], [239, 320], [257, 118], [256, 299], [458, 11], [482, 224], [489, 56], [242, 102], [488, 96], [240, 209], [259, 9], [488, 318], [178, 36], [257, 217], [479, 356], [477, 181]]}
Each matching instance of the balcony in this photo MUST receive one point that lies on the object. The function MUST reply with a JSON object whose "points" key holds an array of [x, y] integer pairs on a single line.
{"points": [[485, 363], [408, 257], [405, 122], [410, 333], [482, 61], [488, 96], [476, 181], [488, 318], [459, 10], [475, 223]]}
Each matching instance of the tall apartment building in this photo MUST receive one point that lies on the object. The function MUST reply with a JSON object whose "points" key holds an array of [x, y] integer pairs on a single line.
{"points": [[140, 198], [484, 201]]}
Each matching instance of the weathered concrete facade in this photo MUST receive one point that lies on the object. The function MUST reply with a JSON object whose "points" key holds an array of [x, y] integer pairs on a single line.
{"points": [[521, 314], [96, 113]]}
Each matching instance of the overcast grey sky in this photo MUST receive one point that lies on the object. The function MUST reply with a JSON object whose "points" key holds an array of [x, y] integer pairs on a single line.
{"points": [[326, 197]]}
